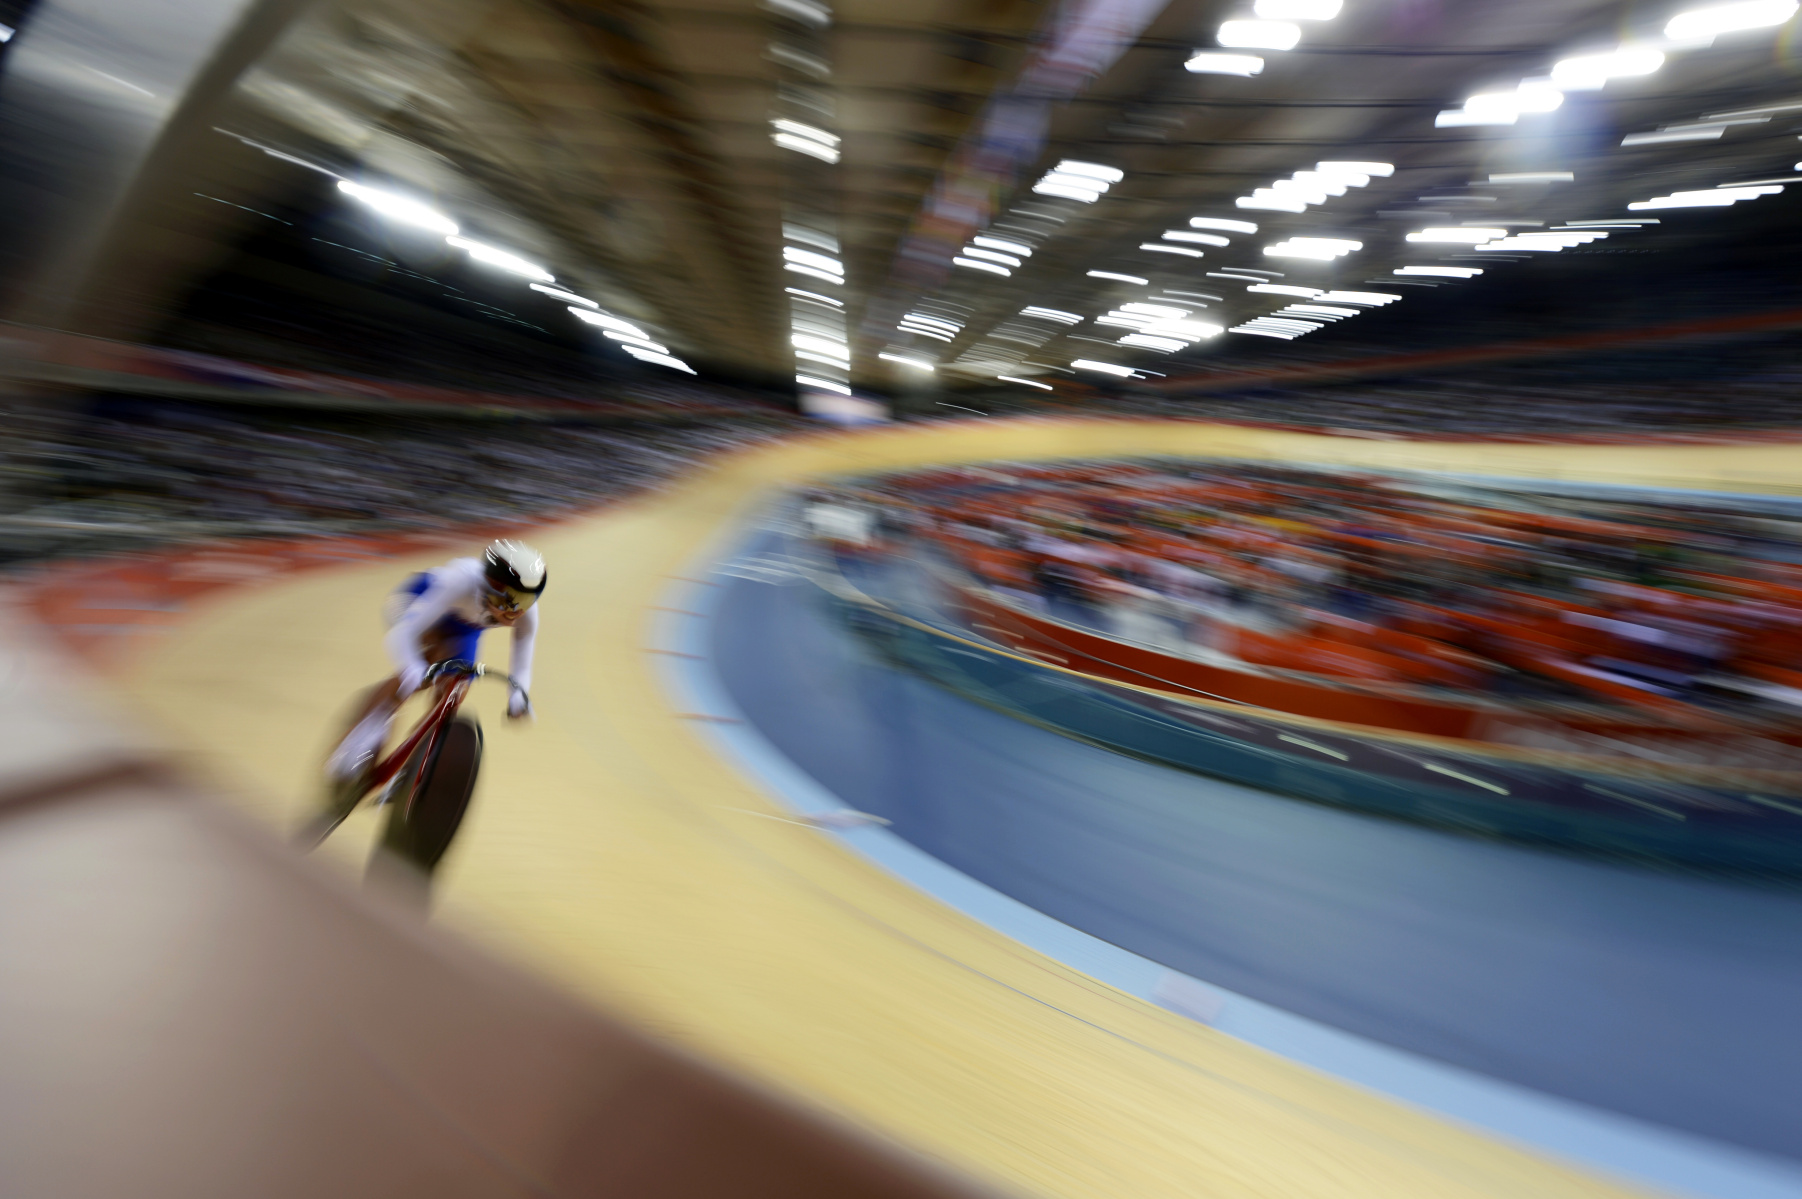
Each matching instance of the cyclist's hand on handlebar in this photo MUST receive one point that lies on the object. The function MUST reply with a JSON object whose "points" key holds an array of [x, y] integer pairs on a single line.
{"points": [[518, 705], [412, 678]]}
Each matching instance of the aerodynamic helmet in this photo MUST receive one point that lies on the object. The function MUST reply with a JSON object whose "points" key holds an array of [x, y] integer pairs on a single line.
{"points": [[515, 573]]}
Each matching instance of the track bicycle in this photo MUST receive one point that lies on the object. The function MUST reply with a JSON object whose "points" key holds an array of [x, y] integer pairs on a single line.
{"points": [[426, 780]]}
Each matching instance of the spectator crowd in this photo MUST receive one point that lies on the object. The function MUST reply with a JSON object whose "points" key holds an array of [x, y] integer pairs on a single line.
{"points": [[159, 472], [1687, 615]]}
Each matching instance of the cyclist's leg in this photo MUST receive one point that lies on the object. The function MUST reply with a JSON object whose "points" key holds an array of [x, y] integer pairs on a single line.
{"points": [[369, 725]]}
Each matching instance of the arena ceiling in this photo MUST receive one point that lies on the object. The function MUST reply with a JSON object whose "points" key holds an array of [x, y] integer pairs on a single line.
{"points": [[633, 150]]}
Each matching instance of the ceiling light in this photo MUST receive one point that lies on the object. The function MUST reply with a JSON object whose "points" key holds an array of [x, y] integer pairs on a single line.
{"points": [[1321, 249], [1449, 272], [917, 363], [630, 340], [1106, 368], [1164, 310], [511, 263], [1380, 169], [976, 264], [1121, 278], [1191, 330], [1151, 245], [811, 273], [1262, 332], [1298, 10], [809, 237], [1052, 185], [1052, 314], [814, 295], [823, 345], [822, 384], [1460, 234], [1027, 382], [1534, 177], [1230, 226], [922, 319], [925, 333], [1203, 239], [1682, 133], [803, 10], [807, 146], [1258, 35], [809, 132], [1166, 345], [1270, 201], [1332, 185], [1461, 116], [568, 297], [403, 209], [1590, 72], [996, 243], [1192, 295], [819, 262], [991, 256], [1124, 322], [1092, 170], [1375, 299], [1719, 197], [1325, 310], [1211, 62], [1281, 289], [1703, 25], [660, 359], [1537, 95], [607, 322], [1504, 106]]}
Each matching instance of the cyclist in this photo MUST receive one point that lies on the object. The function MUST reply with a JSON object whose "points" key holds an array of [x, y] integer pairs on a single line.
{"points": [[440, 615]]}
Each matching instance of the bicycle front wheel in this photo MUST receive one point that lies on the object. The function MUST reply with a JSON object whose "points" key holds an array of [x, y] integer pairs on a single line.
{"points": [[422, 825]]}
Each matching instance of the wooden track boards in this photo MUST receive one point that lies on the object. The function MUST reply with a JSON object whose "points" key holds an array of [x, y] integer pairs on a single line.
{"points": [[611, 849]]}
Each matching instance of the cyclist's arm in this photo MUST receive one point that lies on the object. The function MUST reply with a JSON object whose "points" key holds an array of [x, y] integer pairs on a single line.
{"points": [[525, 632], [403, 640]]}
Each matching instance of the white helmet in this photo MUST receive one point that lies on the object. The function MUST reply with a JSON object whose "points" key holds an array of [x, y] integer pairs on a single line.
{"points": [[515, 570]]}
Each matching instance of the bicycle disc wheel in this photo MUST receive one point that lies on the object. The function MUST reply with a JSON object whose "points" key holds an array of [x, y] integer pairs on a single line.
{"points": [[421, 826]]}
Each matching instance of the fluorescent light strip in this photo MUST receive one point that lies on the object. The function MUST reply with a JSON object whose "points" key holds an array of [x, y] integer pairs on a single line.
{"points": [[812, 149], [568, 297], [1120, 277], [997, 243], [1208, 222], [1025, 382], [811, 273], [1204, 239], [1106, 368]]}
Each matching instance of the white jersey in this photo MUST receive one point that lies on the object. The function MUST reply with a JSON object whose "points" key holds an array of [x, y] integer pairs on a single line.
{"points": [[455, 591]]}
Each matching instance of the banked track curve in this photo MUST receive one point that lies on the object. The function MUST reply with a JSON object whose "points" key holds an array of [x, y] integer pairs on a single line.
{"points": [[611, 850]]}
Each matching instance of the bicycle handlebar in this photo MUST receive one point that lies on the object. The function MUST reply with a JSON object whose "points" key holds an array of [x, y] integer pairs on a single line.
{"points": [[475, 670]]}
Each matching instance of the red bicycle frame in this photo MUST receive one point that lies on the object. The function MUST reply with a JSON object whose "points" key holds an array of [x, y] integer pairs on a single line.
{"points": [[432, 726]]}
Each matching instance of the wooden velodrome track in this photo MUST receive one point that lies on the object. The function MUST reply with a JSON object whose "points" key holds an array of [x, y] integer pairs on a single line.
{"points": [[611, 849]]}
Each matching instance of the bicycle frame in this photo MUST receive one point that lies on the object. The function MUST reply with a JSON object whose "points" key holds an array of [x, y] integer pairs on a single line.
{"points": [[431, 728]]}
